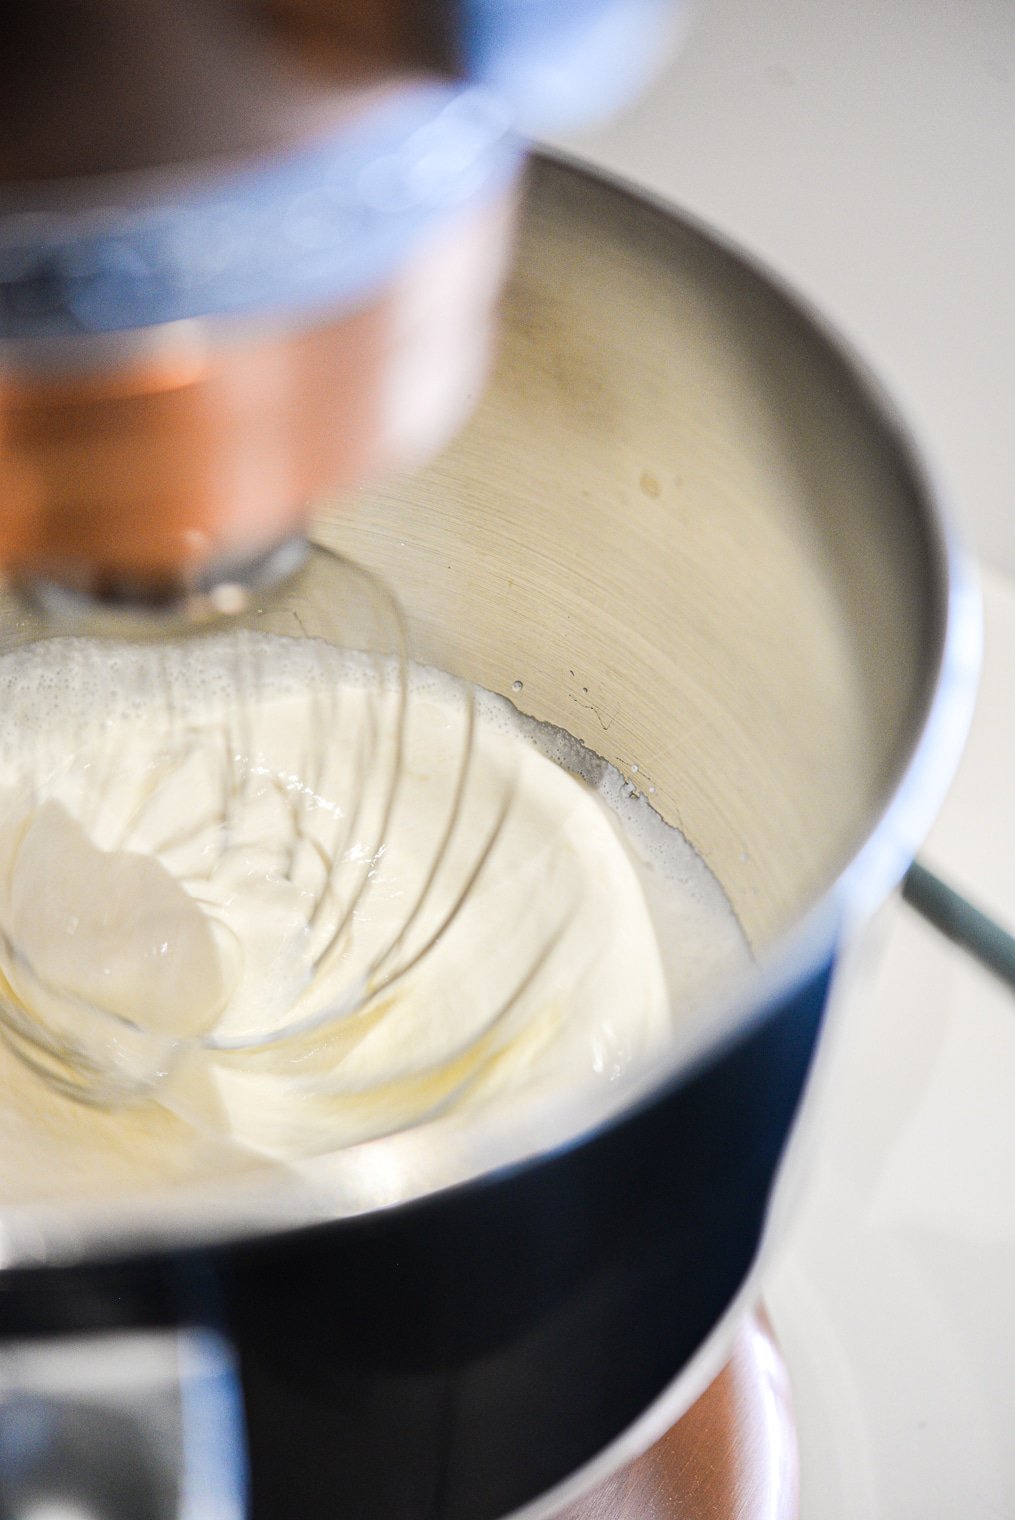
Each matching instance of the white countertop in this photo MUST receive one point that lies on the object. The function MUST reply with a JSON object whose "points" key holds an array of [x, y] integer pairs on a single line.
{"points": [[892, 1294], [866, 151]]}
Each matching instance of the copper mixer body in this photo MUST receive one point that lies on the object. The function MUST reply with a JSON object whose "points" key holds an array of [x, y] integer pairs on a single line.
{"points": [[162, 470], [154, 444], [141, 462]]}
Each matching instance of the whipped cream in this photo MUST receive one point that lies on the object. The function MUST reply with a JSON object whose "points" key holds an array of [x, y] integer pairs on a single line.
{"points": [[335, 907]]}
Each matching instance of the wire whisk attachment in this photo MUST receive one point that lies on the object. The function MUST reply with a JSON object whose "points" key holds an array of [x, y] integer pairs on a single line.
{"points": [[227, 856]]}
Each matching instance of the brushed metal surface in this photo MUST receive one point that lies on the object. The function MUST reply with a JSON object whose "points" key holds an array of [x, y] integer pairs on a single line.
{"points": [[733, 1455], [679, 521]]}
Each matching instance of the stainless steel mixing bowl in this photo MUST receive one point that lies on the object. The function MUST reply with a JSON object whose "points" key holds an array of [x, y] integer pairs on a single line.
{"points": [[695, 533]]}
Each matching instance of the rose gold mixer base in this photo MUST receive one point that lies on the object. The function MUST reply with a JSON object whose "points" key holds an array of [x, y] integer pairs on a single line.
{"points": [[733, 1456]]}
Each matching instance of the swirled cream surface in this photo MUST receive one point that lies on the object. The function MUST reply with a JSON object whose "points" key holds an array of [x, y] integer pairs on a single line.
{"points": [[265, 898]]}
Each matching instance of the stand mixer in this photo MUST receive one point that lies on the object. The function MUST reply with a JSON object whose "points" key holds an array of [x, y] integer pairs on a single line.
{"points": [[247, 253], [250, 252]]}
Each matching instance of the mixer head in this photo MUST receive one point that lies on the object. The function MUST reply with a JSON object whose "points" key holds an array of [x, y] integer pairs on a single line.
{"points": [[252, 252]]}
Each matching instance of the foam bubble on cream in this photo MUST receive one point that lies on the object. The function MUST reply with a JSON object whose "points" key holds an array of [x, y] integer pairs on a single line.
{"points": [[222, 871]]}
